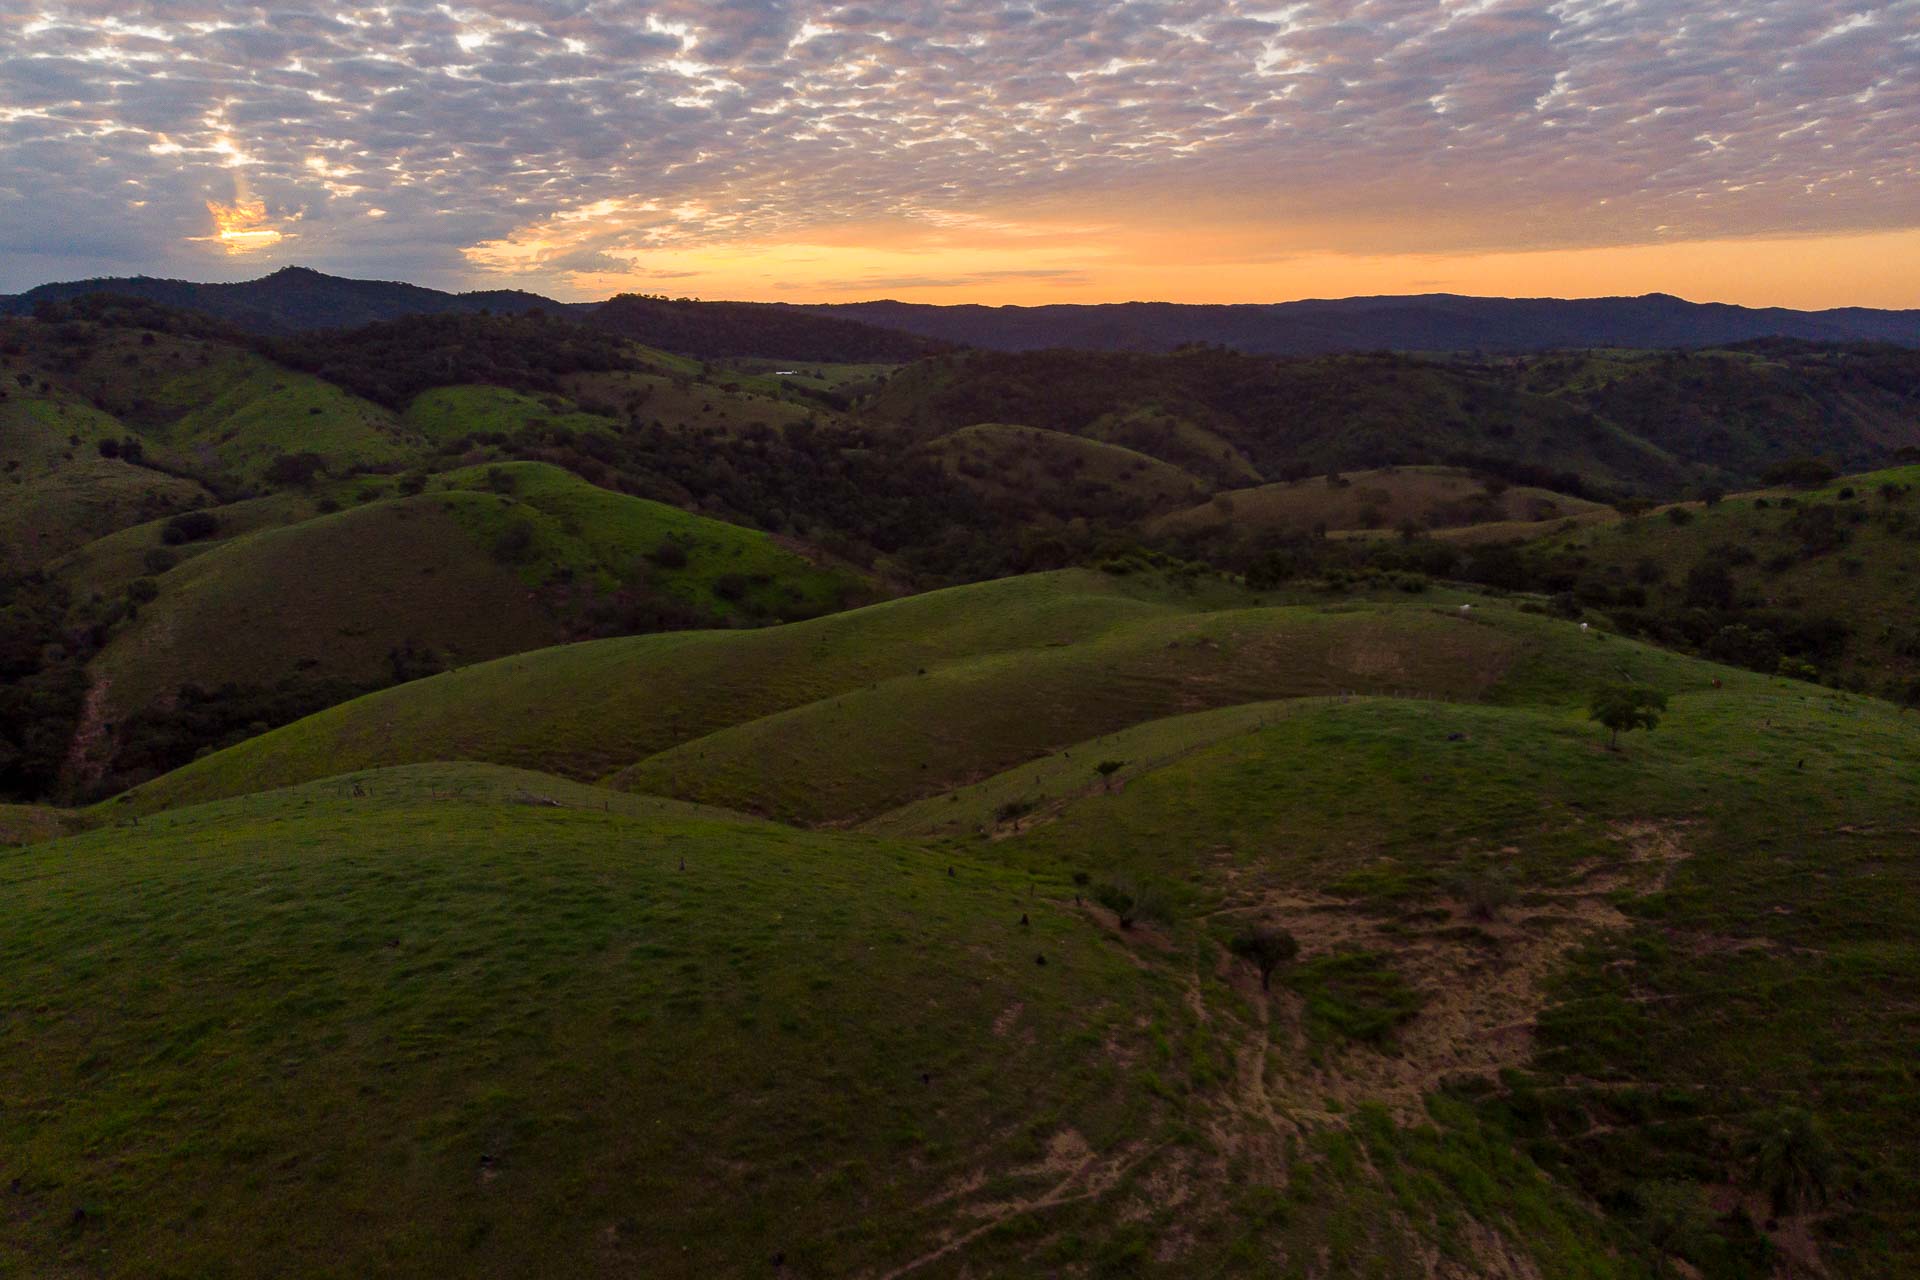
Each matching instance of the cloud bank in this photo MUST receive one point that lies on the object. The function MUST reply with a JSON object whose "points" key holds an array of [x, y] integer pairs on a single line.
{"points": [[578, 145]]}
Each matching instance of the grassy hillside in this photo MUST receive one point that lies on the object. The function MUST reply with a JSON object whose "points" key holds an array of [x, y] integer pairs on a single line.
{"points": [[1425, 497], [679, 400], [333, 596], [844, 717], [60, 510], [870, 749], [492, 561], [1711, 928], [1844, 558], [29, 823], [108, 564], [57, 490], [587, 536], [1533, 1027], [1279, 416], [528, 985], [1025, 474], [448, 413], [587, 710], [206, 405]]}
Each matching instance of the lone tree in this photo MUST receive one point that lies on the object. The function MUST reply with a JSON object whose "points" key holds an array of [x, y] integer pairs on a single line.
{"points": [[1107, 768], [1269, 947], [1625, 707]]}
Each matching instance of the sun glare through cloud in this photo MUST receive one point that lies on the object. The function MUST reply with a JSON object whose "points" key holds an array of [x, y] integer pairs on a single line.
{"points": [[241, 227]]}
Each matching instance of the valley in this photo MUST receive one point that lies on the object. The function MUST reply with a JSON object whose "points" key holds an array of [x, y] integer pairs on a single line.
{"points": [[743, 792]]}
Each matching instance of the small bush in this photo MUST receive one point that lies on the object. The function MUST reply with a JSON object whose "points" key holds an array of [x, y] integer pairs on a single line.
{"points": [[1130, 901], [514, 541], [159, 559], [669, 555], [143, 591], [296, 470], [189, 526]]}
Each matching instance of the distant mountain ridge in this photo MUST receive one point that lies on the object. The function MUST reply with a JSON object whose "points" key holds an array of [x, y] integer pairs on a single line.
{"points": [[294, 299], [1430, 322], [298, 299], [289, 300]]}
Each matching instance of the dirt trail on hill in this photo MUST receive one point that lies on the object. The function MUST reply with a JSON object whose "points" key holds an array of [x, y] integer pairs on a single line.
{"points": [[84, 765], [1482, 981]]}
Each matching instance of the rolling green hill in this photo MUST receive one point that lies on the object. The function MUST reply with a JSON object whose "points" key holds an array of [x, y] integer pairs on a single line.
{"points": [[1533, 1027], [1026, 474], [1841, 560], [867, 750], [1426, 497], [492, 561], [1238, 417], [587, 710]]}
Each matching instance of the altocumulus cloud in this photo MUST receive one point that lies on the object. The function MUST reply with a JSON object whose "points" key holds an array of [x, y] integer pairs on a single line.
{"points": [[554, 138]]}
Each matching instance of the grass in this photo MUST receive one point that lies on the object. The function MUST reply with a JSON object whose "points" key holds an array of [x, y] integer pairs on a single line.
{"points": [[331, 596], [588, 709], [680, 400], [589, 534], [334, 595], [398, 1032], [1870, 582], [1030, 473], [1429, 497], [259, 411], [520, 963], [57, 512], [106, 565], [868, 750], [447, 413], [29, 823], [209, 407]]}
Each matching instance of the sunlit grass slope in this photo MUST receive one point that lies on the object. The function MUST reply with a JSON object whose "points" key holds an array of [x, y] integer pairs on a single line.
{"points": [[588, 709], [871, 749], [448, 413], [585, 534]]}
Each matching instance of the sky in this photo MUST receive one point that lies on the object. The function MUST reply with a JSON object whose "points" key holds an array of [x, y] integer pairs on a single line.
{"points": [[1764, 152]]}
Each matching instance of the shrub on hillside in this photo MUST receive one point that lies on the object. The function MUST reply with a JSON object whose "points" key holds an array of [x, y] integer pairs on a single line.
{"points": [[669, 555], [1131, 901], [295, 470], [514, 540], [189, 526]]}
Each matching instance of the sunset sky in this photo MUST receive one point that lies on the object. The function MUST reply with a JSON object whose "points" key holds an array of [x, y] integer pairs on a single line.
{"points": [[1763, 152]]}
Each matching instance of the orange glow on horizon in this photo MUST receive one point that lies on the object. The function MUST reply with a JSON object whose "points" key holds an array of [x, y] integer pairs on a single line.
{"points": [[998, 263]]}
